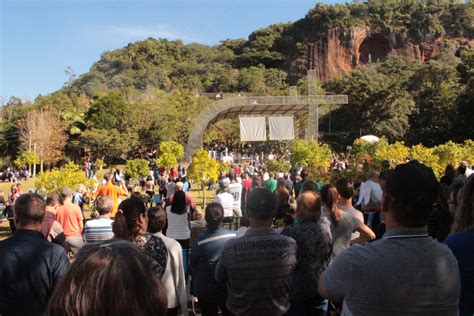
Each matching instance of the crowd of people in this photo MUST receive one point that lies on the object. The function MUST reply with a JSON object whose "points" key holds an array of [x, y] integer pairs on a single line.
{"points": [[399, 243]]}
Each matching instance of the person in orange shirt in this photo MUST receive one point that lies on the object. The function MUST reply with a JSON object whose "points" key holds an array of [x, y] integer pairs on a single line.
{"points": [[70, 217], [109, 189]]}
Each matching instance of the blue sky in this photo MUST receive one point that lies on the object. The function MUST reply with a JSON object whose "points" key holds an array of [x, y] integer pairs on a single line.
{"points": [[40, 38]]}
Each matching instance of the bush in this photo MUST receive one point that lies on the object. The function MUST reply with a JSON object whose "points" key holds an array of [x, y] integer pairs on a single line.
{"points": [[68, 176], [136, 168], [277, 166]]}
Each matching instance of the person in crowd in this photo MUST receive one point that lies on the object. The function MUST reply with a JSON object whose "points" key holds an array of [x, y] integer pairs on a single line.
{"points": [[174, 279], [256, 183], [227, 201], [289, 184], [405, 273], [312, 254], [244, 226], [150, 187], [449, 175], [189, 200], [342, 224], [370, 198], [261, 259], [299, 184], [100, 228], [170, 187], [30, 266], [110, 189], [453, 197], [250, 169], [178, 215], [204, 256], [112, 270], [80, 197], [131, 224], [13, 195], [271, 182], [70, 217], [282, 199], [51, 229], [309, 186], [162, 184], [235, 189], [440, 220], [186, 184], [461, 243], [345, 189], [246, 181]]}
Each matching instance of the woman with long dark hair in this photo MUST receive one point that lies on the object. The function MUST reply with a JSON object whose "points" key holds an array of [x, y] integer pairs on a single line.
{"points": [[131, 223], [282, 198], [178, 214], [204, 256], [111, 278], [342, 224]]}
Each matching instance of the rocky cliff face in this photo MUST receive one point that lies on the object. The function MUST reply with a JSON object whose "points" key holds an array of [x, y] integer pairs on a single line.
{"points": [[341, 51]]}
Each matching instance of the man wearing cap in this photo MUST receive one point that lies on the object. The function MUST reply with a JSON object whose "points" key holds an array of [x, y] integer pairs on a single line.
{"points": [[69, 215], [405, 272], [226, 199]]}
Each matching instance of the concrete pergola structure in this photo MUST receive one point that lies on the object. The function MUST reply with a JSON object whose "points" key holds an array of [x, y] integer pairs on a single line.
{"points": [[268, 105]]}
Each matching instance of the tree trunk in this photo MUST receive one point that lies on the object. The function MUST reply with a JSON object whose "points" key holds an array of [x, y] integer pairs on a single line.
{"points": [[203, 187], [34, 170], [41, 166]]}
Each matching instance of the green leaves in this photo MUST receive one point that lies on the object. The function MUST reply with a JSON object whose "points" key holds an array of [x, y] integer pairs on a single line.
{"points": [[169, 154], [202, 168], [137, 167], [314, 155], [69, 176]]}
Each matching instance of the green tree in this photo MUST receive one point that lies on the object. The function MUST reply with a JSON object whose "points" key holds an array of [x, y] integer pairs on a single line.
{"points": [[137, 168], [169, 154], [28, 158], [203, 170], [314, 155], [69, 176]]}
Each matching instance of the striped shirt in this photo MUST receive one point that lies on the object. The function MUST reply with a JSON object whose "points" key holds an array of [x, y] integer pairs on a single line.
{"points": [[257, 269], [99, 229], [178, 225]]}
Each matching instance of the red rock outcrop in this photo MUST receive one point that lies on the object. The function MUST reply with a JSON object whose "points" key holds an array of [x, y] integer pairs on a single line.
{"points": [[341, 51]]}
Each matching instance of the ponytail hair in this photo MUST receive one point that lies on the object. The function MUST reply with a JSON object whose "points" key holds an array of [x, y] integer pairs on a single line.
{"points": [[329, 197], [125, 225]]}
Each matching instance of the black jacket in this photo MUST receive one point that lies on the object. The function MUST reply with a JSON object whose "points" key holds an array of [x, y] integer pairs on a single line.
{"points": [[30, 267]]}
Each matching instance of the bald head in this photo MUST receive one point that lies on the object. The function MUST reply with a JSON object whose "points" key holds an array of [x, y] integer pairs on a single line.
{"points": [[308, 206]]}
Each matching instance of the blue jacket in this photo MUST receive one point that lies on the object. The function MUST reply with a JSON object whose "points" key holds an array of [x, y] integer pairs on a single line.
{"points": [[30, 268], [205, 254]]}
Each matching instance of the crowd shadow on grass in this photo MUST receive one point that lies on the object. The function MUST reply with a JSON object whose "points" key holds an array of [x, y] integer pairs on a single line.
{"points": [[5, 232]]}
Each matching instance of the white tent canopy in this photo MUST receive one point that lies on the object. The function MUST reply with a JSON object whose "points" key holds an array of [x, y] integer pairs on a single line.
{"points": [[370, 138]]}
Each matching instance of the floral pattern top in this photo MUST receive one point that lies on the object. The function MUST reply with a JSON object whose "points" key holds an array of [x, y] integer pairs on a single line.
{"points": [[156, 251], [313, 252]]}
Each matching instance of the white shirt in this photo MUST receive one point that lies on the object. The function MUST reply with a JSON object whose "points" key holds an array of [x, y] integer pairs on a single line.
{"points": [[173, 280], [369, 191], [236, 190], [227, 201], [178, 225]]}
